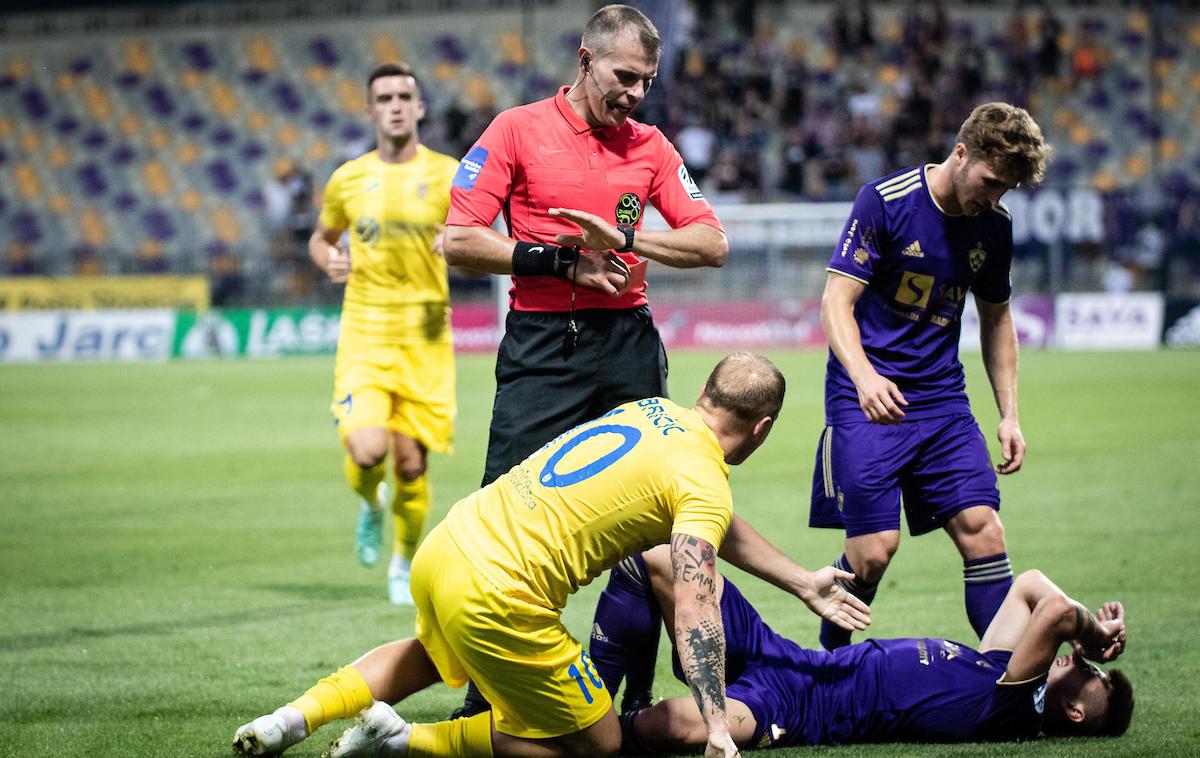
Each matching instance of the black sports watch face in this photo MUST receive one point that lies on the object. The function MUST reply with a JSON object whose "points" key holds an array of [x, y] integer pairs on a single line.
{"points": [[627, 230]]}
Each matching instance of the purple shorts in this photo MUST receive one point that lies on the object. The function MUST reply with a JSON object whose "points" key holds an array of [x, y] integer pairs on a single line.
{"points": [[939, 465]]}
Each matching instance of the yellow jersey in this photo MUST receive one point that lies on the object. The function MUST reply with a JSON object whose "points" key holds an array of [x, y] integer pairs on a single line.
{"points": [[592, 496], [398, 292]]}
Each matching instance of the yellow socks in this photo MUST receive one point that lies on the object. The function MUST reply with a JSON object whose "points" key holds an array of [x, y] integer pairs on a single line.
{"points": [[364, 481], [463, 738], [337, 696], [409, 507]]}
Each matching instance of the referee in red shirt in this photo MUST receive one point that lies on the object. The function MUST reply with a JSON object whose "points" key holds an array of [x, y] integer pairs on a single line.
{"points": [[572, 175]]}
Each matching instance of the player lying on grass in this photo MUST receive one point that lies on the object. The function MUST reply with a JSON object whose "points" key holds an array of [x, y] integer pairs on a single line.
{"points": [[1015, 686], [491, 580]]}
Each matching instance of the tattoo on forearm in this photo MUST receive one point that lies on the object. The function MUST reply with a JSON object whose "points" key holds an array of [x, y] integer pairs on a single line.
{"points": [[694, 561], [1086, 625], [705, 667]]}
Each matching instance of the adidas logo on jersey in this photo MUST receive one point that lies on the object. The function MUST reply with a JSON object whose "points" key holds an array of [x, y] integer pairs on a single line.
{"points": [[913, 250], [598, 633]]}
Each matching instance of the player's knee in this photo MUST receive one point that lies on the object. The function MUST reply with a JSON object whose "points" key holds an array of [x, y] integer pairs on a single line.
{"points": [[606, 743], [982, 535], [367, 450], [410, 470]]}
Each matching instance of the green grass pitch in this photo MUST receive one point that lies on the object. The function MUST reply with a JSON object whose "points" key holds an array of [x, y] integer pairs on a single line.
{"points": [[175, 542]]}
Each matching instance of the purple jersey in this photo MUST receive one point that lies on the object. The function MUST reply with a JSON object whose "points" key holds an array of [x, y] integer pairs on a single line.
{"points": [[928, 690], [918, 264]]}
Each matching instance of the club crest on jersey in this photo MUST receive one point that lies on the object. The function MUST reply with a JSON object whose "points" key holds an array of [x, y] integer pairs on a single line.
{"points": [[629, 209], [367, 229], [422, 190], [976, 257], [860, 256]]}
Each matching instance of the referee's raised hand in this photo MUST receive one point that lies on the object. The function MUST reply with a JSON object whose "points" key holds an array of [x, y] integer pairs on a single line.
{"points": [[594, 232]]}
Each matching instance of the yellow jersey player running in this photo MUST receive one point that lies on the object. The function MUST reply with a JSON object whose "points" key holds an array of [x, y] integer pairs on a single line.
{"points": [[491, 581], [394, 372]]}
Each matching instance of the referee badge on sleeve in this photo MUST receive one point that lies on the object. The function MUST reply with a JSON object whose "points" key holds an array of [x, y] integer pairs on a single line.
{"points": [[470, 167], [689, 184]]}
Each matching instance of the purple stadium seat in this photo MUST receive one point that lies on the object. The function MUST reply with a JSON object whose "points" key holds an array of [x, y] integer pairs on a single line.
{"points": [[3, 156], [125, 201], [91, 180], [353, 132], [508, 70], [129, 80], [198, 56], [158, 224], [35, 104], [1097, 151], [1099, 100], [66, 125], [450, 49], [254, 76], [160, 101], [7, 82], [223, 136], [194, 122], [252, 151], [123, 155], [323, 52], [1131, 38], [3, 205], [80, 66], [1131, 84], [25, 227], [321, 119], [1064, 167], [95, 139], [222, 176], [287, 98], [255, 199]]}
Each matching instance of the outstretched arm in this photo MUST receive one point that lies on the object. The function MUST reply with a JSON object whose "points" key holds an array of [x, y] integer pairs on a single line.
{"points": [[1037, 617], [745, 548], [700, 636]]}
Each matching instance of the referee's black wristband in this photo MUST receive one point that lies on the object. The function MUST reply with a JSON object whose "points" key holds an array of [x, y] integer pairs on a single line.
{"points": [[536, 259]]}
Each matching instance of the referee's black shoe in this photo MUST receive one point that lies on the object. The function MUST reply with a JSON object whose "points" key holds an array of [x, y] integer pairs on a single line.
{"points": [[473, 703]]}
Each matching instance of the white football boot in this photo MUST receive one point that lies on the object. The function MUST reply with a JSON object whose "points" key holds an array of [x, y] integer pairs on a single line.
{"points": [[377, 726], [269, 735]]}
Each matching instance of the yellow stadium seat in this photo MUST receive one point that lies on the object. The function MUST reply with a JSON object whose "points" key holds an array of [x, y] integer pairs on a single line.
{"points": [[1194, 82], [1163, 68], [318, 150], [1194, 36], [1168, 100], [287, 135], [889, 75], [892, 30], [262, 55], [149, 251], [190, 200], [137, 57], [444, 71], [1104, 181], [386, 50], [512, 49], [478, 92], [225, 225], [65, 82], [317, 75], [257, 121], [31, 142], [1169, 148], [156, 178], [91, 266], [6, 127], [29, 184], [351, 96], [191, 79], [1136, 166], [130, 124], [158, 139], [58, 156], [224, 102], [1065, 117], [99, 106], [59, 204], [187, 154], [17, 68], [1138, 21], [1081, 134], [92, 225]]}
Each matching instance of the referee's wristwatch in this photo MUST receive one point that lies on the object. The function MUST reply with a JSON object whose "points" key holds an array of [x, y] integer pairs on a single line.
{"points": [[563, 258], [627, 230]]}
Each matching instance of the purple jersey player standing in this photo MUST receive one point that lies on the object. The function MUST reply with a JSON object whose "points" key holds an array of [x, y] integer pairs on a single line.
{"points": [[898, 423], [1015, 686]]}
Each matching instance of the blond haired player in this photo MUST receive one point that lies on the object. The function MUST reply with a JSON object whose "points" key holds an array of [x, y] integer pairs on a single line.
{"points": [[394, 373], [492, 579]]}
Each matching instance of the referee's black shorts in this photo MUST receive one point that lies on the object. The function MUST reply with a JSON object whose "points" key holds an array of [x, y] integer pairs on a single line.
{"points": [[543, 388]]}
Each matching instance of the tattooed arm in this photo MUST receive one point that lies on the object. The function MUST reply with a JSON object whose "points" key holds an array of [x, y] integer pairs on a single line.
{"points": [[1037, 617], [699, 635]]}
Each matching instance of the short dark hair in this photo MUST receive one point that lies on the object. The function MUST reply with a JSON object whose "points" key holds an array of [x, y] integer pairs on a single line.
{"points": [[1119, 712], [614, 19], [747, 385], [391, 69]]}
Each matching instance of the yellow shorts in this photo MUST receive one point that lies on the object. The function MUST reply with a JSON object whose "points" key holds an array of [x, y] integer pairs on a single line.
{"points": [[403, 388], [537, 677]]}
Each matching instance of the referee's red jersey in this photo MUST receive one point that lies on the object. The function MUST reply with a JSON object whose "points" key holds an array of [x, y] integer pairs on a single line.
{"points": [[543, 155]]}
